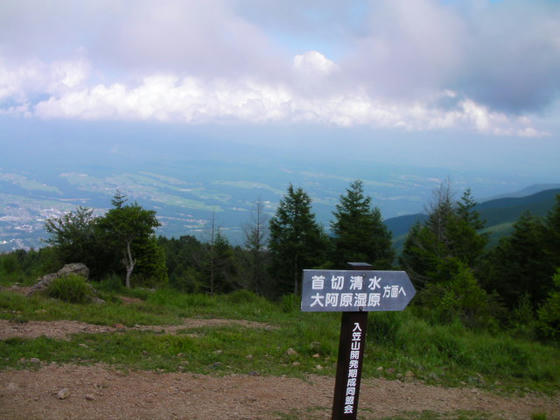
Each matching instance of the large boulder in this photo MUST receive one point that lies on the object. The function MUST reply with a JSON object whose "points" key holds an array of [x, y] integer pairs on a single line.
{"points": [[74, 268], [44, 281]]}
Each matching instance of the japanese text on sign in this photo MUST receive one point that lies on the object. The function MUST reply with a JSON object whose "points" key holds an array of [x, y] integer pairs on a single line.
{"points": [[342, 290], [353, 366]]}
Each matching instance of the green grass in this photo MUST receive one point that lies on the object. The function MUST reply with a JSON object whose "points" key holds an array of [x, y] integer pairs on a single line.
{"points": [[431, 415], [398, 343], [19, 308]]}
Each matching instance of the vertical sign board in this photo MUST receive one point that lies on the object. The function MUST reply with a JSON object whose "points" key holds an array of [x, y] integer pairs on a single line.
{"points": [[354, 293]]}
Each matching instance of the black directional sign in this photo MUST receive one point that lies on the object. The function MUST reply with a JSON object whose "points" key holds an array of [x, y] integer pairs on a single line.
{"points": [[355, 290]]}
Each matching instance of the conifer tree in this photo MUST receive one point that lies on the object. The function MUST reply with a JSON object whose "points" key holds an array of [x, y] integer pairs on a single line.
{"points": [[296, 241], [517, 266], [255, 243], [442, 255], [552, 236], [221, 263], [359, 231]]}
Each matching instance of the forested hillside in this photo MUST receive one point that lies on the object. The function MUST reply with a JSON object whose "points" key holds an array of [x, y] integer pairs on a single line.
{"points": [[499, 214]]}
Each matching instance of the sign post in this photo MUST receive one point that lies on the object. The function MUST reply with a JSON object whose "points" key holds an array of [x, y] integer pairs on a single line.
{"points": [[353, 292]]}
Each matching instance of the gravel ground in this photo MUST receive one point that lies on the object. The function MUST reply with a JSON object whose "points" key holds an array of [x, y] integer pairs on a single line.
{"points": [[98, 392]]}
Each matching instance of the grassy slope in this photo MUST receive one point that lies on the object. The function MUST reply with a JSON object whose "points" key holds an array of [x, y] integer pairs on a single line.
{"points": [[397, 342]]}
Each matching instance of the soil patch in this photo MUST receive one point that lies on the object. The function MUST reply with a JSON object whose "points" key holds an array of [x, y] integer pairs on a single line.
{"points": [[127, 300], [23, 290], [97, 392], [62, 330]]}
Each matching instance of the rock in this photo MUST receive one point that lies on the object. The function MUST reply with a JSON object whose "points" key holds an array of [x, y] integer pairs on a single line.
{"points": [[316, 355], [63, 394], [44, 281], [295, 364], [291, 352], [74, 268], [380, 369], [433, 376], [34, 360], [315, 345], [90, 397], [249, 356], [319, 367]]}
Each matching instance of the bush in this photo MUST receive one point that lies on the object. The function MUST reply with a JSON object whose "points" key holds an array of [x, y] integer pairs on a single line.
{"points": [[290, 303], [383, 327], [112, 283], [240, 296], [456, 296], [549, 313], [71, 288]]}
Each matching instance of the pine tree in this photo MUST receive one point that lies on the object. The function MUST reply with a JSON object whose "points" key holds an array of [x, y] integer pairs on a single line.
{"points": [[224, 267], [551, 241], [517, 264], [255, 243], [295, 242], [442, 257], [466, 210], [359, 232], [451, 231]]}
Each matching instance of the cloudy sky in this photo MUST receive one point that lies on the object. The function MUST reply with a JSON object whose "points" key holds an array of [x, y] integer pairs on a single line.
{"points": [[483, 73]]}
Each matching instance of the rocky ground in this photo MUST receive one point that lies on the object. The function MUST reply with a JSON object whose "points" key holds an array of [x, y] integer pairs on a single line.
{"points": [[98, 392]]}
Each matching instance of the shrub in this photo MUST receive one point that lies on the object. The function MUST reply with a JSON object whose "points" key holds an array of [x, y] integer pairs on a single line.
{"points": [[290, 303], [112, 283], [456, 296], [383, 327], [241, 296], [549, 312], [71, 288]]}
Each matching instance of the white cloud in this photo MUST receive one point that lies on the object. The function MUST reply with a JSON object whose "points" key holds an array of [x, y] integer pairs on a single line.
{"points": [[313, 62], [427, 65], [193, 100], [33, 77]]}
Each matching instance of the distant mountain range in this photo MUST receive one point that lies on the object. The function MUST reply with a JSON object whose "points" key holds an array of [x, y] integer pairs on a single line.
{"points": [[499, 213], [189, 183]]}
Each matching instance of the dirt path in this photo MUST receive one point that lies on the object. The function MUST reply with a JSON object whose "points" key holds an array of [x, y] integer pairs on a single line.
{"points": [[62, 330], [97, 392]]}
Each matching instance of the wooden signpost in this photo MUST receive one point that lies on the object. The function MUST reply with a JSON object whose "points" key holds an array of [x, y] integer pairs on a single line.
{"points": [[353, 292]]}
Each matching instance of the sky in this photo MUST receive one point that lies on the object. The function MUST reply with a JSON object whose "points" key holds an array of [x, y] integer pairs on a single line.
{"points": [[445, 83]]}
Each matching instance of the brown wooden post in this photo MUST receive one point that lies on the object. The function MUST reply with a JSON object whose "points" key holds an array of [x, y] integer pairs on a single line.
{"points": [[350, 359]]}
